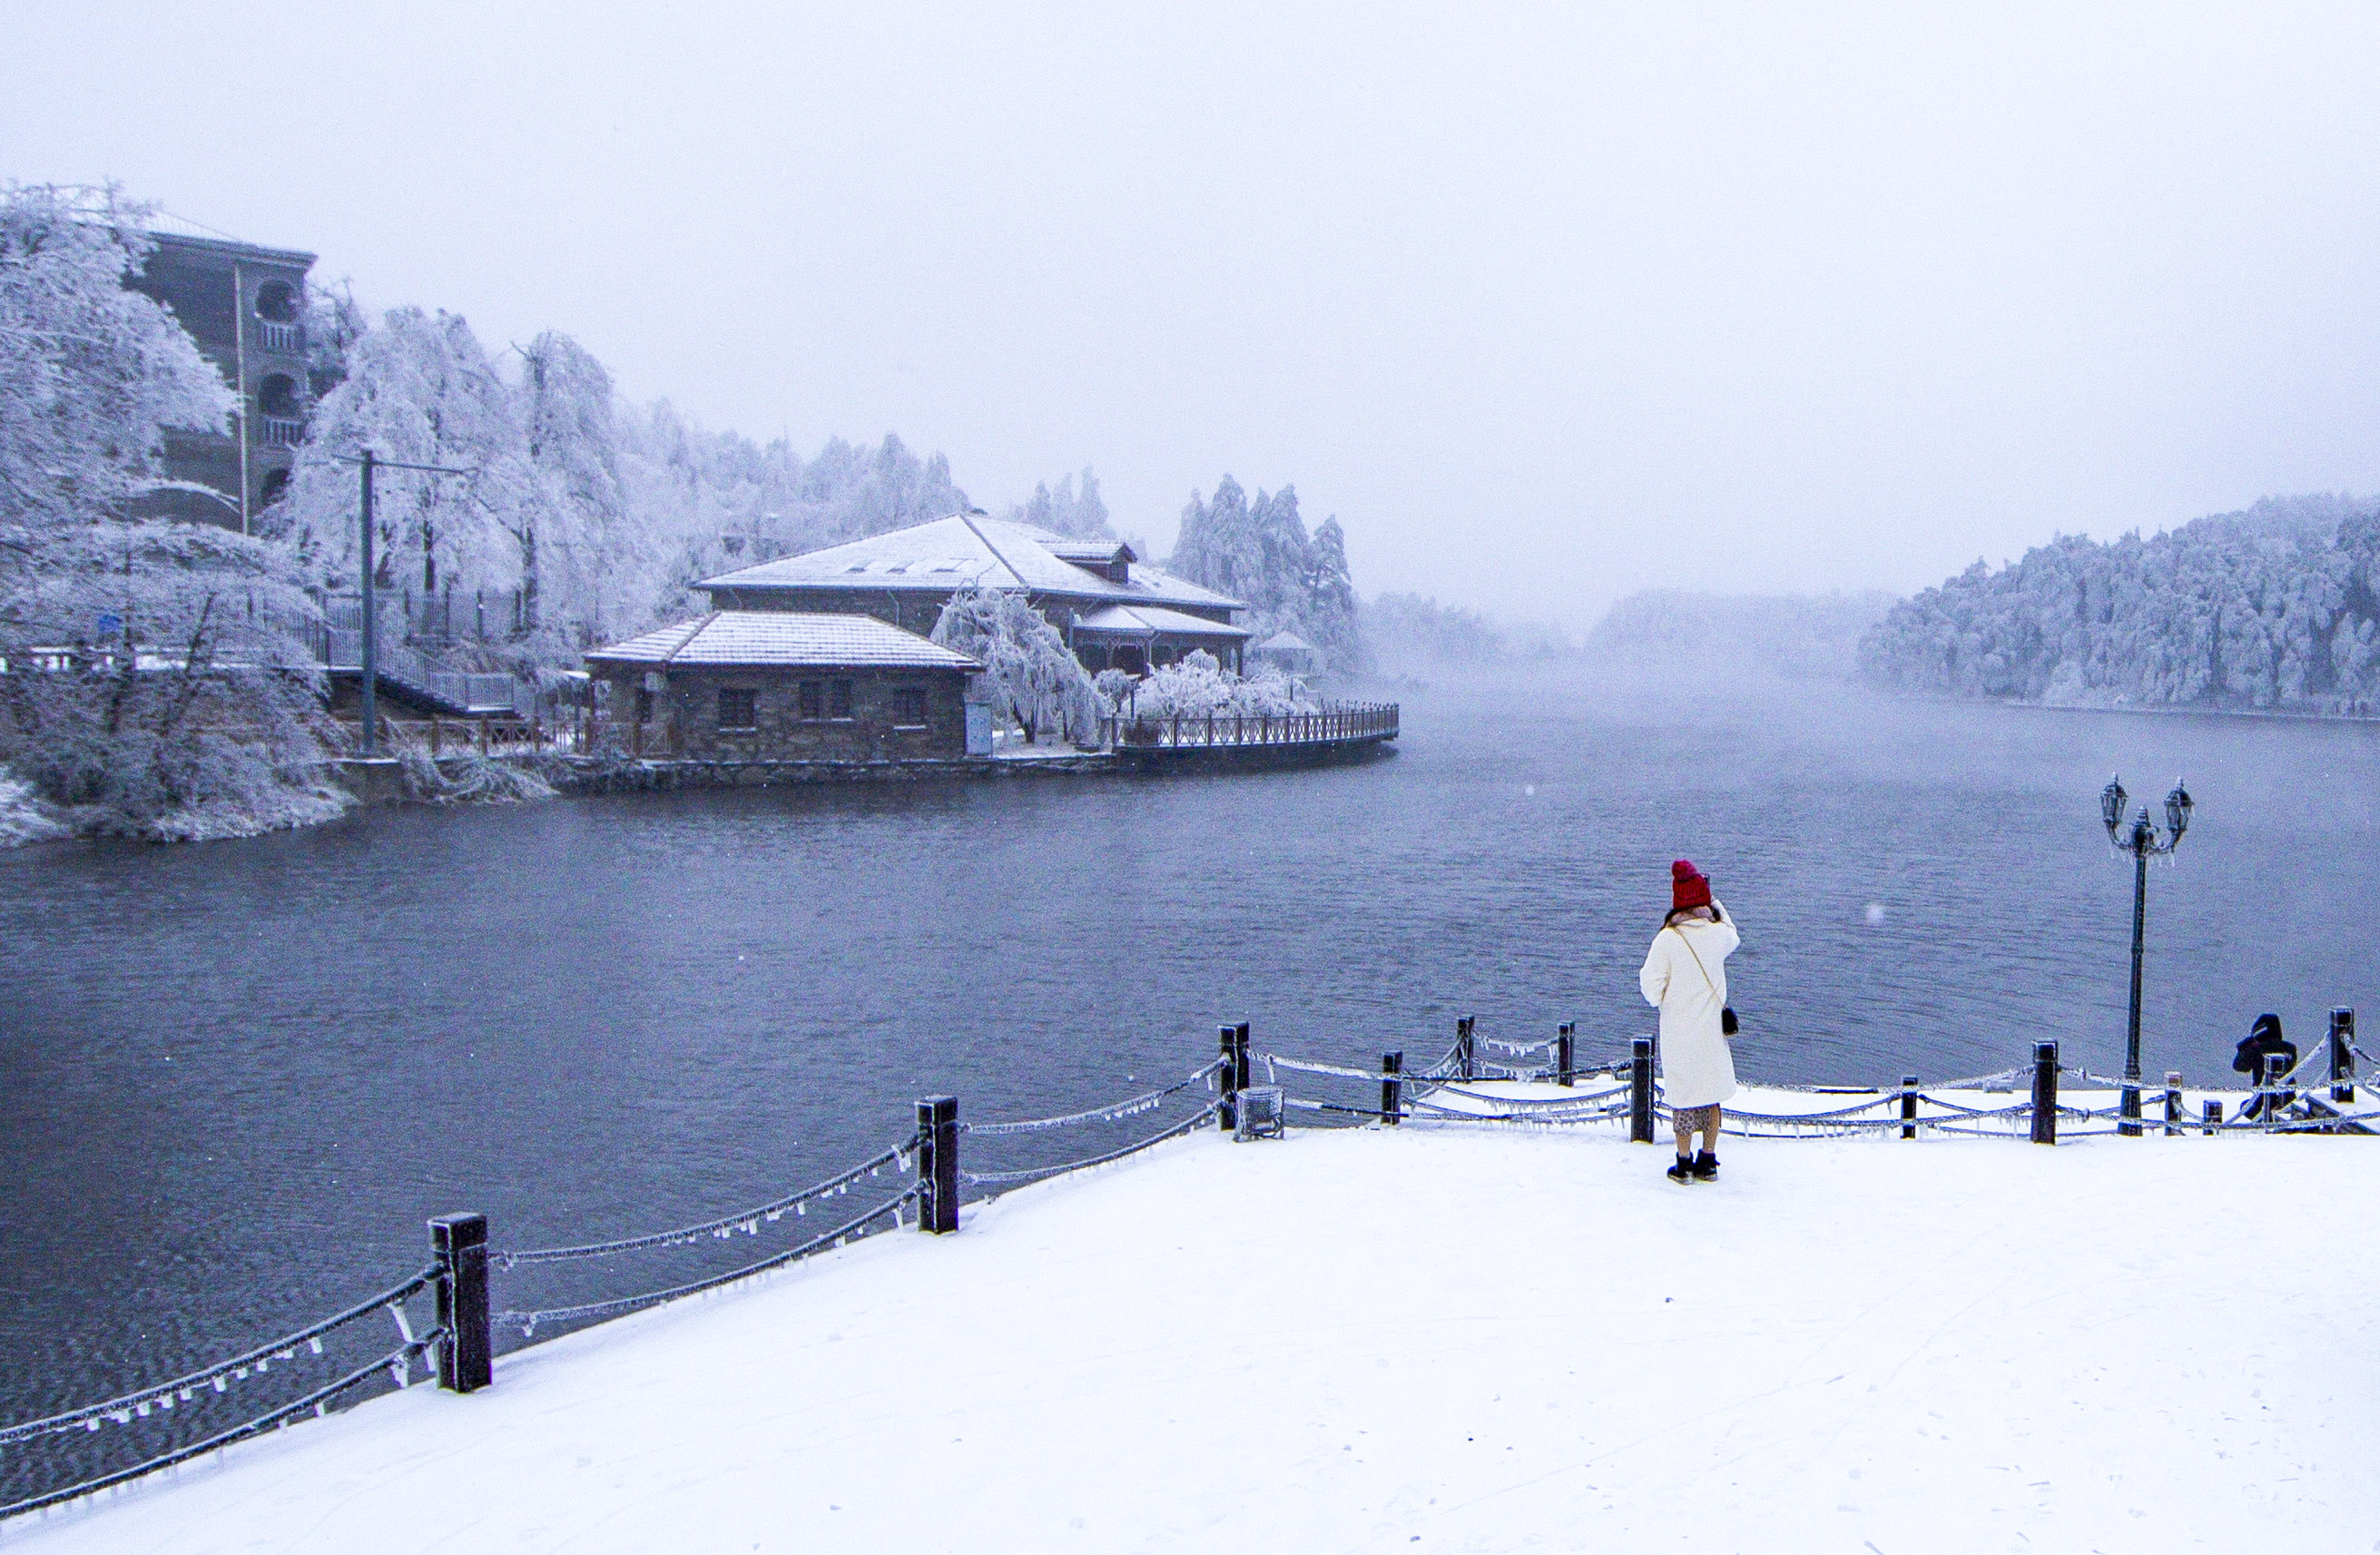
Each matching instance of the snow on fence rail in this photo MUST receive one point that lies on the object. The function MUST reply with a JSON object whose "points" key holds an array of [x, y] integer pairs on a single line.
{"points": [[459, 1342], [2275, 1103]]}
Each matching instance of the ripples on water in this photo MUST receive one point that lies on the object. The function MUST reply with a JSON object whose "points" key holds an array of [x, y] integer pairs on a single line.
{"points": [[236, 1077]]}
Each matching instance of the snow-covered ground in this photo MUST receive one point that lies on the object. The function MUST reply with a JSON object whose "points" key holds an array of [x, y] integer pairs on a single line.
{"points": [[1434, 1339]]}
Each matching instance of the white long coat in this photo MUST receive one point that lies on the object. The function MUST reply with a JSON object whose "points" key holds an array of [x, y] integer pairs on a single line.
{"points": [[1696, 1067]]}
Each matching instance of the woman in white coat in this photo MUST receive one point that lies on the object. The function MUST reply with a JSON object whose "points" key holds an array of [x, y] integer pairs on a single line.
{"points": [[1685, 974]]}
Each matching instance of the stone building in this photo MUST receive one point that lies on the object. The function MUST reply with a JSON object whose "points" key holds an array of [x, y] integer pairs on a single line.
{"points": [[784, 685], [1114, 611], [245, 305]]}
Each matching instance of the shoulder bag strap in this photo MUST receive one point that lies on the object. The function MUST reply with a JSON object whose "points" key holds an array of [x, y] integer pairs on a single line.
{"points": [[1698, 960]]}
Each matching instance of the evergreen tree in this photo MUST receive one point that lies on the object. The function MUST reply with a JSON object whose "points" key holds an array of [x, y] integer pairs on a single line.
{"points": [[1328, 606], [1260, 554], [1066, 511]]}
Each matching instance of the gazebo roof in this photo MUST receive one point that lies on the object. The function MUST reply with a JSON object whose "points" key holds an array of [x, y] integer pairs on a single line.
{"points": [[1286, 642], [765, 639]]}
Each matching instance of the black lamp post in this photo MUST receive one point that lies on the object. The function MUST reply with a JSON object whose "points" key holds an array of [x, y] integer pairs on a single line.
{"points": [[2143, 844]]}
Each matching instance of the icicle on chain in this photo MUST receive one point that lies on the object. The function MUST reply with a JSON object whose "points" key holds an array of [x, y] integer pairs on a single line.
{"points": [[742, 1219], [314, 1402], [1037, 1174], [135, 1405], [1129, 1107], [528, 1321]]}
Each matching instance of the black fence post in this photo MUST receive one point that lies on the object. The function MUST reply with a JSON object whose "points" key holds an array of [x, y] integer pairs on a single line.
{"points": [[466, 1358], [1239, 1055], [2276, 1095], [2210, 1115], [938, 1164], [1227, 1050], [1909, 1106], [1392, 1068], [2172, 1102], [1640, 1091], [2342, 1056], [1563, 1051], [2044, 1093], [1464, 1055]]}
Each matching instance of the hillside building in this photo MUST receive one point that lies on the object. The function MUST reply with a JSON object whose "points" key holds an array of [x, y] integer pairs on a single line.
{"points": [[1114, 611], [245, 305]]}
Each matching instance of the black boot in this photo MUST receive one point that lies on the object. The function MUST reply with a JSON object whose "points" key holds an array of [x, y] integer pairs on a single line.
{"points": [[1683, 1172], [1706, 1166]]}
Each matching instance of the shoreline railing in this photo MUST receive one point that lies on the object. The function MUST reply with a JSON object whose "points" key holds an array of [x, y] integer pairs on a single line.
{"points": [[457, 1338], [1331, 725], [1628, 1087]]}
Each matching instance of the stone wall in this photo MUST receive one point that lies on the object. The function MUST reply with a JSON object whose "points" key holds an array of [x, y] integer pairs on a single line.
{"points": [[684, 717]]}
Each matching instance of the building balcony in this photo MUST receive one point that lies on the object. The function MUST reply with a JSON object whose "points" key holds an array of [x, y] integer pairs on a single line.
{"points": [[290, 339], [280, 432]]}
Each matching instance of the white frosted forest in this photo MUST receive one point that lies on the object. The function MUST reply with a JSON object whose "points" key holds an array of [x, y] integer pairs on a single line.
{"points": [[2271, 608]]}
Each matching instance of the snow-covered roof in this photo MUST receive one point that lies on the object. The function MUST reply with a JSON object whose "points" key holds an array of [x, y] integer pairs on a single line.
{"points": [[1104, 551], [770, 637], [1286, 642], [969, 549], [1149, 620], [162, 223]]}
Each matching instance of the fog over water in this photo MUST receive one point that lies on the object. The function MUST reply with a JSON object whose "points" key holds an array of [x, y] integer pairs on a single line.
{"points": [[234, 1079]]}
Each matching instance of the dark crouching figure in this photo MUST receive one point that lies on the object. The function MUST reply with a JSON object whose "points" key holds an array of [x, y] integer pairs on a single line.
{"points": [[2263, 1038]]}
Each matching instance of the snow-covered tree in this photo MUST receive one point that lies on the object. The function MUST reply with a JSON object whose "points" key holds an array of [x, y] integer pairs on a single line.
{"points": [[570, 524], [1196, 686], [156, 682], [418, 390], [1259, 551], [1067, 510], [2278, 606], [91, 372], [1329, 607], [1039, 683]]}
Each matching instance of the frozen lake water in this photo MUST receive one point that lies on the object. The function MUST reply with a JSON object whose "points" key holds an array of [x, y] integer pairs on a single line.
{"points": [[235, 1078]]}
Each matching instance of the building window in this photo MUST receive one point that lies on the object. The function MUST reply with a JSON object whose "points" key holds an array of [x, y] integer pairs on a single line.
{"points": [[838, 699], [738, 709], [908, 708], [813, 701], [275, 487], [644, 705], [277, 396], [277, 301], [1160, 656]]}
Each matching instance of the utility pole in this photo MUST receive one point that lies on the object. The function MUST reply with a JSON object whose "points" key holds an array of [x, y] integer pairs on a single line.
{"points": [[239, 372], [370, 461], [372, 613]]}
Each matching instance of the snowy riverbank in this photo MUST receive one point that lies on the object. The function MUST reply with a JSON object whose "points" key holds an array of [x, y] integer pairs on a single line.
{"points": [[1431, 1339]]}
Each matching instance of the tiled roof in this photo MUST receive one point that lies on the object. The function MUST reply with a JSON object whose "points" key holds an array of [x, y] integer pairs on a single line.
{"points": [[764, 637], [1145, 620], [963, 548]]}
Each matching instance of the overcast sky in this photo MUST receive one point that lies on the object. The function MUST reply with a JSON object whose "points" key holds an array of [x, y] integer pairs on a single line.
{"points": [[1547, 303]]}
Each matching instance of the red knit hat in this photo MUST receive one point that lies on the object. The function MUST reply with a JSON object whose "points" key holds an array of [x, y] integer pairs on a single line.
{"points": [[1689, 887]]}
